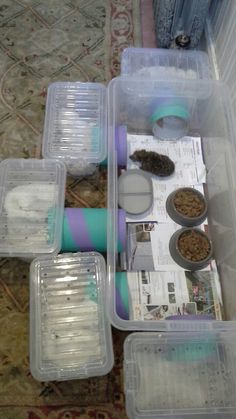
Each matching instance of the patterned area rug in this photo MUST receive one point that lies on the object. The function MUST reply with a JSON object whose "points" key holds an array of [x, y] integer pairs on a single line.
{"points": [[40, 42]]}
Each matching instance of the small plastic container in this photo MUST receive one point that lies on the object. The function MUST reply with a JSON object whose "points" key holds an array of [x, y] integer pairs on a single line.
{"points": [[165, 63], [70, 336], [177, 214], [177, 255], [30, 189], [75, 128], [179, 375]]}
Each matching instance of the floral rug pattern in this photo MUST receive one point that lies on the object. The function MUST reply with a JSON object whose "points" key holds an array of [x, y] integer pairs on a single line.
{"points": [[41, 42]]}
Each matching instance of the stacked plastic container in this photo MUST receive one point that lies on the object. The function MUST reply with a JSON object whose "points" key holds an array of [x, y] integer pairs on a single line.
{"points": [[75, 128], [31, 207], [189, 374], [174, 375], [70, 336]]}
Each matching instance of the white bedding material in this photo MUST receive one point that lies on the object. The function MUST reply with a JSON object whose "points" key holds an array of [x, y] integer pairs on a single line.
{"points": [[166, 73], [31, 201]]}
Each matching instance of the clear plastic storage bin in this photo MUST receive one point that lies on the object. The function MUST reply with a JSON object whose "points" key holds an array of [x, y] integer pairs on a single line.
{"points": [[165, 63], [210, 117], [31, 206], [70, 336], [75, 125], [174, 375]]}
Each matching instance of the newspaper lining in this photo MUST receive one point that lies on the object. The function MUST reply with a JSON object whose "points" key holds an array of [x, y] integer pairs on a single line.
{"points": [[158, 295]]}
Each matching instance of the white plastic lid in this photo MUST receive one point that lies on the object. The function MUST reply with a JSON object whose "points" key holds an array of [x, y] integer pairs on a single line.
{"points": [[180, 375], [30, 191], [70, 336], [135, 191], [75, 123]]}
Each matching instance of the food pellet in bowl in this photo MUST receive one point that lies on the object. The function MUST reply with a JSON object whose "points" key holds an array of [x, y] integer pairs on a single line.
{"points": [[189, 203], [194, 246], [187, 206]]}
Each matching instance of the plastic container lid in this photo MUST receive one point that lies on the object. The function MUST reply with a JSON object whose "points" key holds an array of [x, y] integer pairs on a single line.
{"points": [[70, 336], [29, 190], [179, 375], [135, 191], [75, 124]]}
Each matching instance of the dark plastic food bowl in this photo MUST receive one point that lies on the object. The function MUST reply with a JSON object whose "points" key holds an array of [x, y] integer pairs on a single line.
{"points": [[180, 218], [180, 259]]}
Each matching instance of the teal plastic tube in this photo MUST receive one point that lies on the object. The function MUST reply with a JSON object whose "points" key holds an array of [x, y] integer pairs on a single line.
{"points": [[122, 295], [169, 117], [85, 229]]}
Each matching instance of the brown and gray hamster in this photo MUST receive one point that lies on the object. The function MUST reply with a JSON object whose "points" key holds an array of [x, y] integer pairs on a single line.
{"points": [[157, 164]]}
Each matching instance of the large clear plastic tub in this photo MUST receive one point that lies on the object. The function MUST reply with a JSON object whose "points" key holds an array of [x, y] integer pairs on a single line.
{"points": [[172, 375], [75, 128], [211, 119], [165, 63], [70, 336], [32, 196]]}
